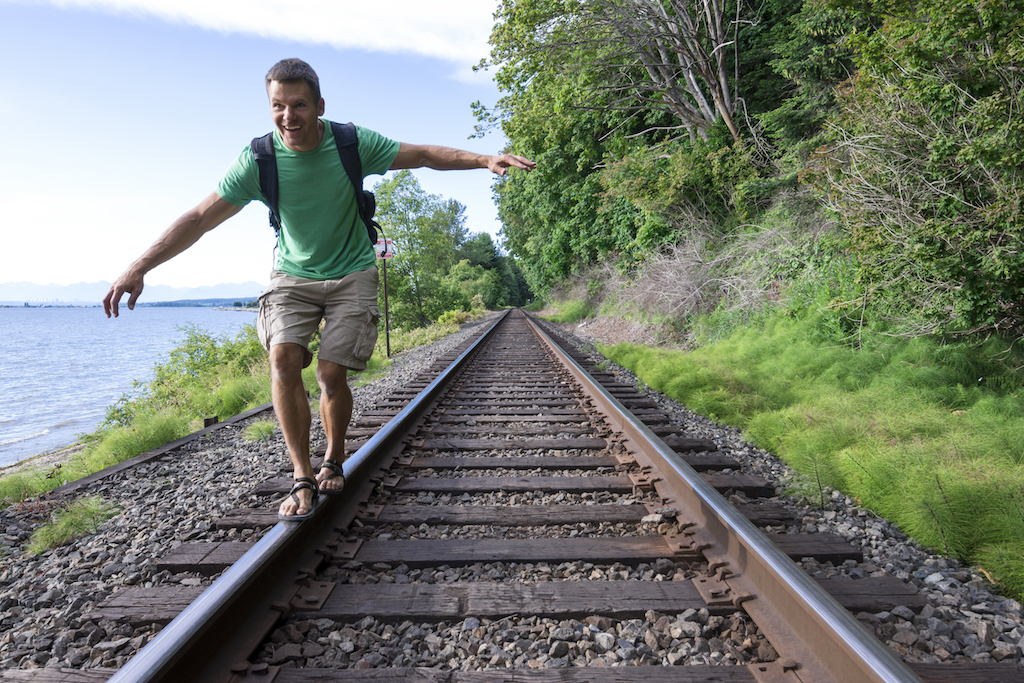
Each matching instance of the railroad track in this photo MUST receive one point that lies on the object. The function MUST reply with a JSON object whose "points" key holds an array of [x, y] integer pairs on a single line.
{"points": [[514, 494]]}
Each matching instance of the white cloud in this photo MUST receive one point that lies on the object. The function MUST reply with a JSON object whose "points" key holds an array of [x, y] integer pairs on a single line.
{"points": [[452, 30]]}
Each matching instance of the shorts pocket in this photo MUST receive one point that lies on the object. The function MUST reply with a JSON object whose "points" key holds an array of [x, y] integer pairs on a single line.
{"points": [[262, 321], [368, 334]]}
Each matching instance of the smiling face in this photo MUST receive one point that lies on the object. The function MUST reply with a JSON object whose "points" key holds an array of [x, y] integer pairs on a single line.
{"points": [[296, 114]]}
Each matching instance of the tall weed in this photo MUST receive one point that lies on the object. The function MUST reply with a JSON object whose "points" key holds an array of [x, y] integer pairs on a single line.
{"points": [[16, 487]]}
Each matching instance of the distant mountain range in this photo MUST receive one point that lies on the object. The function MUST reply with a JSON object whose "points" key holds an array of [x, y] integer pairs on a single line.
{"points": [[92, 293]]}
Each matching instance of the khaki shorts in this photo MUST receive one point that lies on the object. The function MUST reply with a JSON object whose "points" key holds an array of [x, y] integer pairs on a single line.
{"points": [[292, 307]]}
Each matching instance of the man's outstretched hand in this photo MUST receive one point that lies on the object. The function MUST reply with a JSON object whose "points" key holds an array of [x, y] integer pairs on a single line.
{"points": [[500, 163], [129, 283]]}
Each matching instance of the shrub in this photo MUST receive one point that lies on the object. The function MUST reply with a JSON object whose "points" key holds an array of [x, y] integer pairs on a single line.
{"points": [[453, 318], [403, 340], [926, 167]]}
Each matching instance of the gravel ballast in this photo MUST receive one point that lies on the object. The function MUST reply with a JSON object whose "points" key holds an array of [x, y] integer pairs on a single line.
{"points": [[177, 499]]}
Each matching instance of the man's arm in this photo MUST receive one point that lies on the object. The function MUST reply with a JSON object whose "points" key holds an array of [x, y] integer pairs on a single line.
{"points": [[182, 234], [451, 159]]}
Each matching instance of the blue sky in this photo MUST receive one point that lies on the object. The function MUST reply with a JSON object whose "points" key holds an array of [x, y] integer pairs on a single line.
{"points": [[122, 114]]}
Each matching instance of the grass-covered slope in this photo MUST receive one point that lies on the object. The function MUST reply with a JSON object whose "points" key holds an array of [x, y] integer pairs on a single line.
{"points": [[930, 436]]}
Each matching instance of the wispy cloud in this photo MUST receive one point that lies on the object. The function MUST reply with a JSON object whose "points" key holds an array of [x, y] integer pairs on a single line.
{"points": [[452, 30]]}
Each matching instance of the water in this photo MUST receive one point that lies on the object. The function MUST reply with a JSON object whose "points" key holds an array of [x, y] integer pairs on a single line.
{"points": [[61, 367]]}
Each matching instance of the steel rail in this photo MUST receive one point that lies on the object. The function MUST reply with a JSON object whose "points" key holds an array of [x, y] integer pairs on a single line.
{"points": [[817, 639], [176, 653]]}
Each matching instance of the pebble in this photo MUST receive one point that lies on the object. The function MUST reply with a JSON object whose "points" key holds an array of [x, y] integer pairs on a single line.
{"points": [[43, 599], [163, 504]]}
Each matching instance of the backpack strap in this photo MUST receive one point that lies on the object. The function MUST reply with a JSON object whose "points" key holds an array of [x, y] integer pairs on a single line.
{"points": [[266, 165], [347, 142]]}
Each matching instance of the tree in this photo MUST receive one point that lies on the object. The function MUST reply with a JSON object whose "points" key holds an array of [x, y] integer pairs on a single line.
{"points": [[480, 250], [676, 55], [792, 61], [428, 232], [474, 280], [555, 219], [686, 49], [597, 92]]}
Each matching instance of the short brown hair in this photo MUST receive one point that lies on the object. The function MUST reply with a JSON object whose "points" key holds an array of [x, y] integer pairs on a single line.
{"points": [[293, 70]]}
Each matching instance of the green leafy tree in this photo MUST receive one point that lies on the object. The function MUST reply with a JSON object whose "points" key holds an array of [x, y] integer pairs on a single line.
{"points": [[428, 232], [480, 250], [794, 59], [633, 111], [555, 112], [514, 282], [477, 280]]}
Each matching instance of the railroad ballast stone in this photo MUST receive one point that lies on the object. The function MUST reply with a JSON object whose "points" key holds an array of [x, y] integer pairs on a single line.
{"points": [[164, 503], [693, 637]]}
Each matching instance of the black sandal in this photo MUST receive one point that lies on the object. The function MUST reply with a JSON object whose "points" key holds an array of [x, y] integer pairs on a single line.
{"points": [[300, 484], [336, 472]]}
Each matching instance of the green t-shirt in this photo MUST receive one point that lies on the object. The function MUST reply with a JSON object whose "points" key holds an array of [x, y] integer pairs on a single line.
{"points": [[322, 236]]}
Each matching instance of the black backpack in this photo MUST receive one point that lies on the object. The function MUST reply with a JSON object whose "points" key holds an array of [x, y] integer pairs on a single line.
{"points": [[348, 149]]}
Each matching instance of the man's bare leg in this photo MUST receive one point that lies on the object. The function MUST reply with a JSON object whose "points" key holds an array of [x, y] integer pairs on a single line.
{"points": [[292, 408], [335, 413]]}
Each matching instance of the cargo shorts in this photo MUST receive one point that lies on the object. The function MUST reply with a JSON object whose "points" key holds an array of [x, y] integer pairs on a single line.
{"points": [[292, 307]]}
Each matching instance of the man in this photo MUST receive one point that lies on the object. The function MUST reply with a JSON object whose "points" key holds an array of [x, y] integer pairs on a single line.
{"points": [[325, 265]]}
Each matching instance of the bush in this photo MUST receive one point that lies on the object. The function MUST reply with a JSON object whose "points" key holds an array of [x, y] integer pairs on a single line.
{"points": [[453, 318], [926, 167]]}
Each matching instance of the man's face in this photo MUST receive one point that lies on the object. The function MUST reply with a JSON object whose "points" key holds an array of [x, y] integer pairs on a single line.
{"points": [[295, 114]]}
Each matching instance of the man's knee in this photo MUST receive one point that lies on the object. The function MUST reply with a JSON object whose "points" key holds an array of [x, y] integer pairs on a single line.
{"points": [[287, 360], [331, 377]]}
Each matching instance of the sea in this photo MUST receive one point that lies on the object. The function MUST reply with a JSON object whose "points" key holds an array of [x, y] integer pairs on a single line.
{"points": [[60, 368]]}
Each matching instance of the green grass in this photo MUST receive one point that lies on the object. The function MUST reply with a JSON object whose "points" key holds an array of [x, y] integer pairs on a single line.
{"points": [[116, 444], [570, 312], [259, 430], [16, 487], [905, 428], [376, 367], [80, 518], [403, 340]]}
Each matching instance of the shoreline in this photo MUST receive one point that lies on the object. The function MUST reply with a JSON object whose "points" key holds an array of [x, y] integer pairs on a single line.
{"points": [[42, 460], [38, 434]]}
